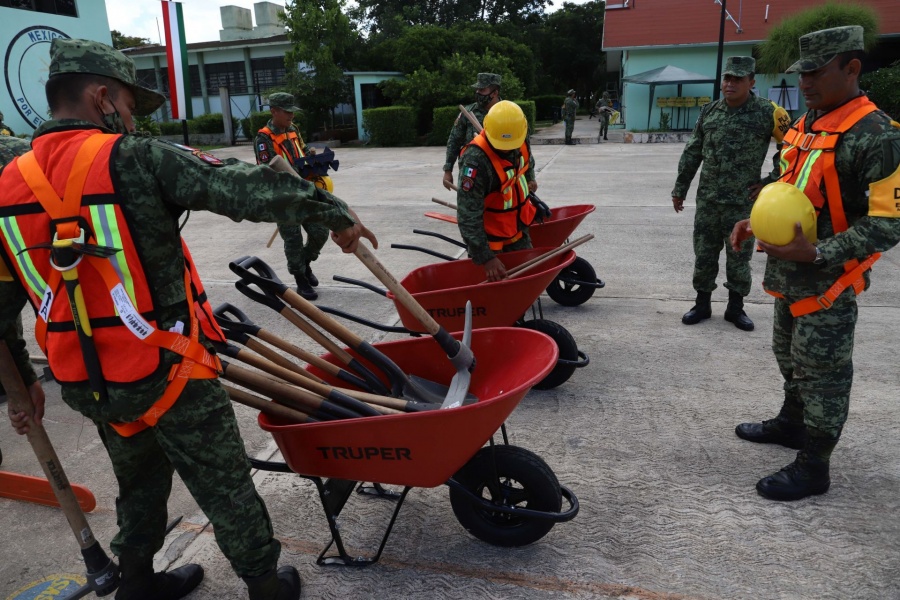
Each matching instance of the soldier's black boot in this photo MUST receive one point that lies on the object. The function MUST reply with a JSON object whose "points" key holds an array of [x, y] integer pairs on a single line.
{"points": [[701, 310], [139, 582], [304, 289], [734, 312], [779, 430], [806, 476], [312, 279], [283, 584]]}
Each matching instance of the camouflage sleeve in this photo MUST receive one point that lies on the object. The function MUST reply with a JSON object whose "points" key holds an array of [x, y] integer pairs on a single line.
{"points": [[474, 184], [455, 142], [263, 148], [879, 229], [530, 174], [235, 189], [690, 160], [12, 300]]}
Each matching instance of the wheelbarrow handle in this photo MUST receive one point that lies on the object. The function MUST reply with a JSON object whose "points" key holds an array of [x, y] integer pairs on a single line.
{"points": [[229, 316], [360, 283], [440, 237]]}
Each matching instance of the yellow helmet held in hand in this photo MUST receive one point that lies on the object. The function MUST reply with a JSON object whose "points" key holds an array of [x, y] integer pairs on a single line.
{"points": [[777, 210], [505, 125]]}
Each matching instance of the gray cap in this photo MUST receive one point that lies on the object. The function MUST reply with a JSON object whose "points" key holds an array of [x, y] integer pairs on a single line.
{"points": [[740, 66], [570, 92], [284, 101], [486, 80], [819, 48], [88, 56]]}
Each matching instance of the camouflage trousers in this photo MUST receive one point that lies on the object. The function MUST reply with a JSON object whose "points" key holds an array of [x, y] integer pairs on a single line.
{"points": [[199, 439], [712, 229], [604, 124], [299, 255], [815, 356], [570, 127]]}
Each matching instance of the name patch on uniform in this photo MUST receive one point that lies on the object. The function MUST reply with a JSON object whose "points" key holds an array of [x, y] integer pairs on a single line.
{"points": [[467, 184], [884, 196], [469, 172], [207, 157]]}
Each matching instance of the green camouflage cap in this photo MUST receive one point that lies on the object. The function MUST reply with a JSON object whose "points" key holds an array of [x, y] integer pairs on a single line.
{"points": [[819, 48], [570, 92], [284, 101], [486, 80], [740, 66], [88, 56]]}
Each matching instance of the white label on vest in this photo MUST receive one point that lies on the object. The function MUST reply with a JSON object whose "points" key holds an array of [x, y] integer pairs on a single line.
{"points": [[46, 305], [129, 314]]}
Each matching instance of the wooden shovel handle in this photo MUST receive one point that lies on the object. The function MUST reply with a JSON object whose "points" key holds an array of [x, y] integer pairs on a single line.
{"points": [[538, 260], [444, 203], [266, 406], [465, 112]]}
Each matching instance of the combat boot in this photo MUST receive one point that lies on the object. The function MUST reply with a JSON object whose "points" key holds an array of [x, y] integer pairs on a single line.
{"points": [[312, 279], [304, 289], [779, 430], [283, 584], [139, 582], [701, 310], [806, 476], [734, 312]]}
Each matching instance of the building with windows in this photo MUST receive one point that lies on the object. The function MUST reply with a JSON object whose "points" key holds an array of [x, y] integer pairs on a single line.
{"points": [[640, 36], [28, 28]]}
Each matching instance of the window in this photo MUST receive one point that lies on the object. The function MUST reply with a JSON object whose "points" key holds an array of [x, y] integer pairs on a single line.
{"points": [[54, 7], [230, 75], [267, 72]]}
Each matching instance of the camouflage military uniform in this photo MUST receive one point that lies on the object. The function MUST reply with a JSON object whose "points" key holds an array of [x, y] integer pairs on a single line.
{"points": [[605, 110], [570, 107], [298, 254], [462, 133], [732, 145], [470, 201], [198, 436], [5, 130], [814, 352]]}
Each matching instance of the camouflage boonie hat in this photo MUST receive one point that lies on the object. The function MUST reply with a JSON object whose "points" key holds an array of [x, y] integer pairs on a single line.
{"points": [[740, 66], [486, 80], [88, 56], [284, 101], [819, 48]]}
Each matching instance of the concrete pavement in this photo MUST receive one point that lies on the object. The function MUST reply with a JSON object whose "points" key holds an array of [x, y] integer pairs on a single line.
{"points": [[644, 435]]}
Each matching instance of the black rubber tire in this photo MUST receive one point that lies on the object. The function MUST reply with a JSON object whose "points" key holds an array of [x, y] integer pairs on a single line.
{"points": [[568, 350], [568, 294], [526, 481]]}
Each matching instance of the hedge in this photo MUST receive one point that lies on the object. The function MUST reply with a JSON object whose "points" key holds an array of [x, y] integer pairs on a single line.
{"points": [[545, 105], [390, 125], [211, 123], [883, 88], [444, 116], [257, 120]]}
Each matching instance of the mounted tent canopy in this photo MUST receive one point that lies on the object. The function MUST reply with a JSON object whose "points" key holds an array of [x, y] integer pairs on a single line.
{"points": [[667, 75]]}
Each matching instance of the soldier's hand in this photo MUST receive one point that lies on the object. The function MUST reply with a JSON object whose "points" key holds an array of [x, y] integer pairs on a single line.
{"points": [[798, 249], [19, 420], [348, 239], [532, 186], [740, 233], [310, 150], [678, 203], [448, 180], [754, 190], [495, 270]]}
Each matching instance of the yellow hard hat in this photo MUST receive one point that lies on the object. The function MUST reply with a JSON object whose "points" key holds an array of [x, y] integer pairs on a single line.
{"points": [[505, 125], [778, 208]]}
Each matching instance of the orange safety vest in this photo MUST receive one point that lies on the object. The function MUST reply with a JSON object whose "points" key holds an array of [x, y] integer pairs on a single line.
{"points": [[807, 162], [286, 144], [122, 316], [506, 208]]}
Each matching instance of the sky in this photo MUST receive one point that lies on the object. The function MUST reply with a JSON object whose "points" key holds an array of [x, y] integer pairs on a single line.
{"points": [[202, 20]]}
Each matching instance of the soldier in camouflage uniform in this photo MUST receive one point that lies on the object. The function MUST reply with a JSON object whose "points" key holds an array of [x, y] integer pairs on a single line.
{"points": [[731, 139], [569, 108], [92, 88], [5, 130], [851, 174], [487, 94], [299, 256], [478, 179], [604, 111]]}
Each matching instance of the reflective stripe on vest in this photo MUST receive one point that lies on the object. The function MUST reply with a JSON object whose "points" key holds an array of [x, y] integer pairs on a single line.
{"points": [[279, 140], [808, 162], [505, 209], [112, 288]]}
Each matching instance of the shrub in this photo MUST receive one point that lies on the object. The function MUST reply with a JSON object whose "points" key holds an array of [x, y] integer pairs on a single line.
{"points": [[170, 128], [546, 105], [528, 107], [147, 125], [390, 125], [883, 88], [210, 123], [443, 116]]}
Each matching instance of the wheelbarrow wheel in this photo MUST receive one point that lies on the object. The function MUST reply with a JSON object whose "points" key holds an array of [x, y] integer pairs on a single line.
{"points": [[568, 350], [573, 294], [506, 476]]}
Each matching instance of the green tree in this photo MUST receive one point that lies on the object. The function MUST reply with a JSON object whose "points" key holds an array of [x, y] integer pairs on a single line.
{"points": [[121, 41], [570, 48], [323, 43], [390, 16], [883, 88], [782, 49]]}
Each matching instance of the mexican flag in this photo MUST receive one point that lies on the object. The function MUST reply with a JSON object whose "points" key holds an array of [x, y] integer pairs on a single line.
{"points": [[177, 61]]}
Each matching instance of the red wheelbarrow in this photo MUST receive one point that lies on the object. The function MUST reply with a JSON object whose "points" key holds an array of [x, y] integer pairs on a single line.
{"points": [[575, 284], [444, 288], [502, 494]]}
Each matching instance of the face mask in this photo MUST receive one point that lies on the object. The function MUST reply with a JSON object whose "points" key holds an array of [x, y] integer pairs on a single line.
{"points": [[482, 99], [113, 121]]}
